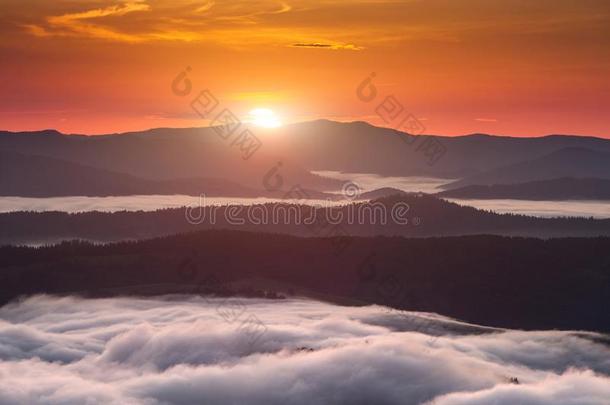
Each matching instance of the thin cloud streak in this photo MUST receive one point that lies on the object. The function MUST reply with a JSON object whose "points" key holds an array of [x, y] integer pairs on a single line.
{"points": [[72, 24], [314, 45]]}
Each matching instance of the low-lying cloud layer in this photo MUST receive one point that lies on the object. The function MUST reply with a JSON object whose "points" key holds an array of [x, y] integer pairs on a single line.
{"points": [[186, 350]]}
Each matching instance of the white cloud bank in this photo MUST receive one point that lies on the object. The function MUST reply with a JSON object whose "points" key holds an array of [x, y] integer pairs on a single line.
{"points": [[189, 350]]}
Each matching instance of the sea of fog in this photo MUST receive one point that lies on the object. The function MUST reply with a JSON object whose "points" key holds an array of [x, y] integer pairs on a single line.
{"points": [[573, 208], [547, 209], [364, 183], [195, 350], [132, 203], [369, 182]]}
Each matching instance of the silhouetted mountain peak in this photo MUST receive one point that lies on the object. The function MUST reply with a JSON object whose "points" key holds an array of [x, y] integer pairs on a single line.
{"points": [[349, 147], [43, 132]]}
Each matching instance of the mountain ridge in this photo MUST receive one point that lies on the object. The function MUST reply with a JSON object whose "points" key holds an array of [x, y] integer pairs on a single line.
{"points": [[299, 149], [474, 134], [560, 189], [426, 216]]}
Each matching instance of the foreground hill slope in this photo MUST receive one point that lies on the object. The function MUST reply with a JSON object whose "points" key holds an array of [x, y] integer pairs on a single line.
{"points": [[496, 281]]}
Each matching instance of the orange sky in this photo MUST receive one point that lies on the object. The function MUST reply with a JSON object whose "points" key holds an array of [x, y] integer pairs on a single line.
{"points": [[517, 67]]}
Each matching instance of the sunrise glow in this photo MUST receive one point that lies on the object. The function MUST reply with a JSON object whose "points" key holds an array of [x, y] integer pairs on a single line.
{"points": [[263, 117], [461, 67]]}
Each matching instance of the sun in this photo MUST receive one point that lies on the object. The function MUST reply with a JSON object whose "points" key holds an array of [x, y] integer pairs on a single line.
{"points": [[264, 117]]}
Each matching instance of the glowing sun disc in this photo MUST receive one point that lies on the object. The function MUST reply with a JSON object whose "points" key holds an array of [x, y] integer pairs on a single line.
{"points": [[264, 117]]}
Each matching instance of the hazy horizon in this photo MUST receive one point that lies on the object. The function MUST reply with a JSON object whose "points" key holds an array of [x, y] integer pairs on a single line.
{"points": [[441, 135]]}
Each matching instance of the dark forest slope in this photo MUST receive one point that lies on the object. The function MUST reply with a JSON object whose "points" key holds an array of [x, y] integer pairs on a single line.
{"points": [[414, 215], [489, 280]]}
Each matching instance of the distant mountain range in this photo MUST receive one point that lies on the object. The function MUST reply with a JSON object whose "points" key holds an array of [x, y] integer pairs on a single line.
{"points": [[40, 176], [359, 147], [191, 157], [556, 189], [431, 255], [426, 216], [567, 162], [160, 155]]}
